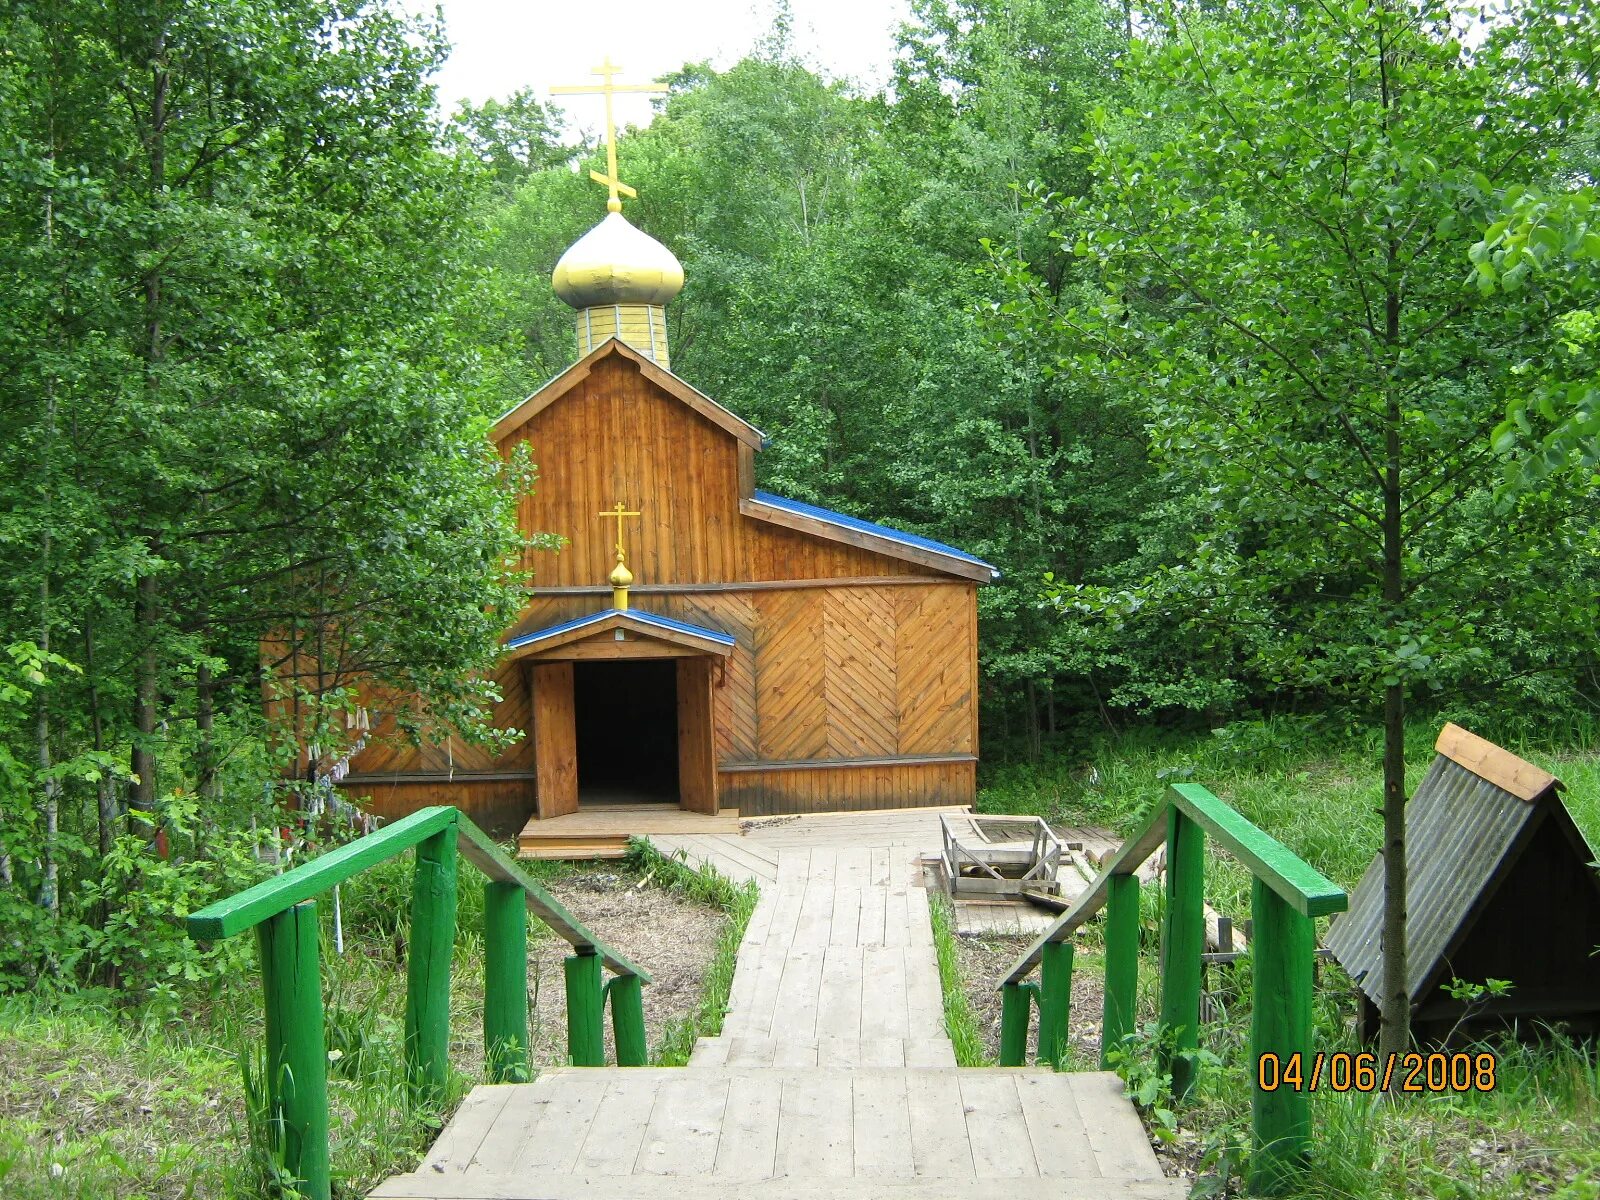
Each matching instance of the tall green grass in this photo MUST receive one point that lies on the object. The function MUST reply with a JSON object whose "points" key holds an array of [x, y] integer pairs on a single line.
{"points": [[959, 1022]]}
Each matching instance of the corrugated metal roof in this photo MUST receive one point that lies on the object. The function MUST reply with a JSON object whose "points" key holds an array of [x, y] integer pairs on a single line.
{"points": [[644, 618], [1459, 829], [884, 531]]}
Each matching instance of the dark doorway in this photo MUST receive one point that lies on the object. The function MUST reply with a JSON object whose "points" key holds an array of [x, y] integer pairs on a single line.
{"points": [[627, 730]]}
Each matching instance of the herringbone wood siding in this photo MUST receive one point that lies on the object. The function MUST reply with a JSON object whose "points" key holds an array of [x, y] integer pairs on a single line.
{"points": [[791, 709], [858, 652], [933, 669]]}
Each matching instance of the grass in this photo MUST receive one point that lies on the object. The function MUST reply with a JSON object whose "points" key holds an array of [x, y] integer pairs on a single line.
{"points": [[1318, 790], [959, 1022], [739, 902]]}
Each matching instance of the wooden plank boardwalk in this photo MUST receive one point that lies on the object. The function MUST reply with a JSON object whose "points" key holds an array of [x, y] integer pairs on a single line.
{"points": [[833, 1076]]}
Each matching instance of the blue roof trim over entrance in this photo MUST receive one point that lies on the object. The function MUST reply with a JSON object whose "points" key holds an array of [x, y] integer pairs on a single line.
{"points": [[644, 618], [800, 508], [699, 631]]}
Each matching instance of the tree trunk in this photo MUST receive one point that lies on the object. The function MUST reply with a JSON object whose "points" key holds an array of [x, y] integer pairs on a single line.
{"points": [[144, 714], [146, 605], [1033, 722], [1394, 1030], [105, 792], [205, 752], [49, 890]]}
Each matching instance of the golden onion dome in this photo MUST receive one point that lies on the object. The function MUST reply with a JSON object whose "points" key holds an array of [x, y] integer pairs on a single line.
{"points": [[615, 263]]}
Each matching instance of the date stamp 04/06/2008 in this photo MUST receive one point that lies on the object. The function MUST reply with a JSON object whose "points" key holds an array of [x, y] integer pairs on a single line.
{"points": [[1343, 1072]]}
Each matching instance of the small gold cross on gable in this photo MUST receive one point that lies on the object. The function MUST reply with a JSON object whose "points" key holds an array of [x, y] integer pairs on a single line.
{"points": [[608, 89], [618, 511], [621, 577]]}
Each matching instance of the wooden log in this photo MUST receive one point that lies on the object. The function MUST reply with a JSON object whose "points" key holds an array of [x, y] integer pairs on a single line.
{"points": [[1280, 1024], [1122, 964], [505, 983], [627, 1020], [1045, 901], [433, 935], [1182, 944], [586, 1044], [297, 1056], [1055, 1002]]}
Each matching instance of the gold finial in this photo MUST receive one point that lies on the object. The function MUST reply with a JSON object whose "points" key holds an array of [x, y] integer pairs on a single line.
{"points": [[609, 89], [621, 578]]}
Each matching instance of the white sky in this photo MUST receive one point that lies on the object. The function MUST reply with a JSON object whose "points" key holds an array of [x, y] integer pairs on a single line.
{"points": [[502, 45]]}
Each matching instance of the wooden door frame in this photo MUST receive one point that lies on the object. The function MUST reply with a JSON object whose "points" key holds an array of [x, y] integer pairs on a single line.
{"points": [[553, 707]]}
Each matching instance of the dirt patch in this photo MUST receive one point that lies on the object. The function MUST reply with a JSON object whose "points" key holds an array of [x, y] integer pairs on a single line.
{"points": [[672, 937], [984, 959]]}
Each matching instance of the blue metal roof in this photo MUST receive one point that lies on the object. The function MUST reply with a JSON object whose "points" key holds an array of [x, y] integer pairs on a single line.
{"points": [[644, 618], [699, 631], [801, 508]]}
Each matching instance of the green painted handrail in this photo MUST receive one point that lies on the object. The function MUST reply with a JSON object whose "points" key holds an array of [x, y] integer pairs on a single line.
{"points": [[1287, 894], [283, 912]]}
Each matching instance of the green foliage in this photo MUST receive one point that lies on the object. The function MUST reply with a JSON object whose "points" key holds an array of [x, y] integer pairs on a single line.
{"points": [[1548, 245], [142, 945], [1337, 423], [513, 137], [238, 420]]}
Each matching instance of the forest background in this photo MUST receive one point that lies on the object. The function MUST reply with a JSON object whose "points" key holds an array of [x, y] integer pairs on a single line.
{"points": [[1255, 344]]}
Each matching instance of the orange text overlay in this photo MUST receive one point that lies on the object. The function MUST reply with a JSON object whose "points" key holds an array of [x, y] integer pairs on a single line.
{"points": [[1412, 1072]]}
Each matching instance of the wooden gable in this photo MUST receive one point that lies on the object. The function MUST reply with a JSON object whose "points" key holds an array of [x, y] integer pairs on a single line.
{"points": [[615, 426]]}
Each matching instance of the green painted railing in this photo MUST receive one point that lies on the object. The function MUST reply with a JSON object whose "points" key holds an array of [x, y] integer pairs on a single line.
{"points": [[283, 912], [1286, 897]]}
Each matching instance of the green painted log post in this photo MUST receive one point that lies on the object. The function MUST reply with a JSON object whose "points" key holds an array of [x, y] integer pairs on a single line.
{"points": [[1283, 946], [1055, 1002], [433, 936], [297, 1056], [505, 982], [1122, 964], [586, 1002], [1015, 1010], [1183, 943], [627, 1020]]}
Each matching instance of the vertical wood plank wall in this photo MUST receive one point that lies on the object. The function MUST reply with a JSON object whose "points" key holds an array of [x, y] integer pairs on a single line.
{"points": [[869, 657]]}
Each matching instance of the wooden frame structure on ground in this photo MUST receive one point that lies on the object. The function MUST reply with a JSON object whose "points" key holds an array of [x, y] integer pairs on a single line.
{"points": [[979, 864]]}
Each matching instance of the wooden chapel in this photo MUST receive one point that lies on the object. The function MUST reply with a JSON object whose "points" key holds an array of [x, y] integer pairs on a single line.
{"points": [[698, 643]]}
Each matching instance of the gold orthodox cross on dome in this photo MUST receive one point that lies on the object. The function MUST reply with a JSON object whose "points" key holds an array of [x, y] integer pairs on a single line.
{"points": [[608, 89], [621, 577]]}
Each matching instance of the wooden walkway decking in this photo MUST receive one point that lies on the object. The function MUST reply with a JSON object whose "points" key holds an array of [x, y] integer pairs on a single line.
{"points": [[833, 1076]]}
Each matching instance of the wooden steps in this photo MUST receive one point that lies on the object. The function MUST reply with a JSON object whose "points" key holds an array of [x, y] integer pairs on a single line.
{"points": [[792, 1133], [572, 847], [675, 1187], [603, 830], [744, 1050]]}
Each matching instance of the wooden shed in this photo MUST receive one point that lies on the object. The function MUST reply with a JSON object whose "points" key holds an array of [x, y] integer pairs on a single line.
{"points": [[1502, 885], [761, 655]]}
